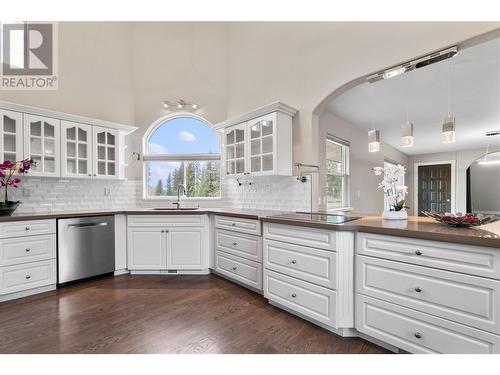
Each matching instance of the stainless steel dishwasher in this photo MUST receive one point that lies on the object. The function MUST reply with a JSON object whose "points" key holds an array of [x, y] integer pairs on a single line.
{"points": [[86, 247]]}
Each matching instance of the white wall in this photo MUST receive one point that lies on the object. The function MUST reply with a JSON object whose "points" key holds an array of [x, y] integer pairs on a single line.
{"points": [[365, 197], [463, 159]]}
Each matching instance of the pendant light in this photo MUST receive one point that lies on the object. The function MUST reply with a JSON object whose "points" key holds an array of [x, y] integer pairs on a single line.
{"points": [[373, 141], [407, 134], [448, 129]]}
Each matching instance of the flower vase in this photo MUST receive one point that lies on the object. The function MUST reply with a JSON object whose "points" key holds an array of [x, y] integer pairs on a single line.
{"points": [[395, 215], [8, 208]]}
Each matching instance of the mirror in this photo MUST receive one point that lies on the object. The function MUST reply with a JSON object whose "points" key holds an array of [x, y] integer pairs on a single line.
{"points": [[440, 116]]}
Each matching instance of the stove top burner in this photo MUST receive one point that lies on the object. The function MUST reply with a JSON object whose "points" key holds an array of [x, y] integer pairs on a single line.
{"points": [[317, 216]]}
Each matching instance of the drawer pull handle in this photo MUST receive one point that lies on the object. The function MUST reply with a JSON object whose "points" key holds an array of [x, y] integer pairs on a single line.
{"points": [[28, 277], [418, 252], [235, 244], [234, 268], [294, 295], [418, 290], [294, 261], [418, 335], [28, 250], [27, 228], [233, 224]]}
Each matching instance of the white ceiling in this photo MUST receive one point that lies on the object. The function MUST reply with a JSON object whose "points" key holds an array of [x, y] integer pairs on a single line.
{"points": [[474, 76]]}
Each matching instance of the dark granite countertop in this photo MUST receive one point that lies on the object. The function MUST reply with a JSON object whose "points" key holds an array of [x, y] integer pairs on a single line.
{"points": [[414, 227]]}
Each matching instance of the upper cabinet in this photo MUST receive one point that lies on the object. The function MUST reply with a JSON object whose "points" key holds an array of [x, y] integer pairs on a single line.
{"points": [[62, 145], [76, 150], [42, 143], [11, 135], [259, 142]]}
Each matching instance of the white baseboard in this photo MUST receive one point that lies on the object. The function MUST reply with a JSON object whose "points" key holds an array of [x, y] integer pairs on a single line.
{"points": [[170, 272], [26, 293], [121, 272]]}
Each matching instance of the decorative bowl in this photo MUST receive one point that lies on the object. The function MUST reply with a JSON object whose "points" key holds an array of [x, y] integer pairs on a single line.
{"points": [[8, 208], [459, 220]]}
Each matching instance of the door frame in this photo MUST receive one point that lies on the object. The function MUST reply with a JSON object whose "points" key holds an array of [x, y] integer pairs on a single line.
{"points": [[453, 182]]}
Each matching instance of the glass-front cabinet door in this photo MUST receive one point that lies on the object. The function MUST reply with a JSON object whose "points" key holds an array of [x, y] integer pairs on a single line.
{"points": [[262, 142], [106, 150], [235, 142], [42, 144], [76, 149], [11, 135]]}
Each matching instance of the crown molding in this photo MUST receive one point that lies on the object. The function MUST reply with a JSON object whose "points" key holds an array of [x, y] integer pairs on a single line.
{"points": [[261, 111], [126, 129]]}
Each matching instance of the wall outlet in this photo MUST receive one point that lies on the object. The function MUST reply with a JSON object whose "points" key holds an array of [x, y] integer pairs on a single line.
{"points": [[107, 192]]}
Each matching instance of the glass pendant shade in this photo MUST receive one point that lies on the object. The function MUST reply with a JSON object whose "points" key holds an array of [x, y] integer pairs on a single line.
{"points": [[407, 134], [448, 132], [373, 141]]}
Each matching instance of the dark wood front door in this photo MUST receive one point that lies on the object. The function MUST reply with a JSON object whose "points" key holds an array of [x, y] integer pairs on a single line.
{"points": [[434, 188]]}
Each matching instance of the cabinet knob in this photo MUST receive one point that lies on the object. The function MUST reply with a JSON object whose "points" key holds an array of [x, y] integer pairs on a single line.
{"points": [[418, 335], [27, 228], [234, 268], [28, 277], [166, 230], [418, 290], [294, 295], [233, 224], [418, 252], [294, 261], [90, 174], [162, 231], [235, 244], [28, 250]]}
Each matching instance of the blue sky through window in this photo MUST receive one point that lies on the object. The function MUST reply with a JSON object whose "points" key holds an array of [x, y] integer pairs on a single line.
{"points": [[184, 135]]}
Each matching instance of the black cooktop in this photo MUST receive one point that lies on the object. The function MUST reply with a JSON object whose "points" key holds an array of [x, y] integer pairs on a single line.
{"points": [[317, 216]]}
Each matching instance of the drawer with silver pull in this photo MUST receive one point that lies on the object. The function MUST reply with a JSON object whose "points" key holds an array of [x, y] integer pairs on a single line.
{"points": [[302, 297], [27, 228], [465, 299], [473, 260], [240, 269], [17, 250], [418, 332], [238, 224], [27, 276], [306, 263], [244, 245]]}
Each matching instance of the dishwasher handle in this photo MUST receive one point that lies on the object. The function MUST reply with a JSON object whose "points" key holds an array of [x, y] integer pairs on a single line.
{"points": [[88, 225]]}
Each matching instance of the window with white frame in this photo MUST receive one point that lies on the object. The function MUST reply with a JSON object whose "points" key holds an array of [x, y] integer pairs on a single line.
{"points": [[181, 150], [337, 173]]}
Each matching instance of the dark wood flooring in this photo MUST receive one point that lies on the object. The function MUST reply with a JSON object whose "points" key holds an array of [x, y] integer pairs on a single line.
{"points": [[161, 314]]}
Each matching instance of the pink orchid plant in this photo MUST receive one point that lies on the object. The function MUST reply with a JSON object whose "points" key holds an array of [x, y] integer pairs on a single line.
{"points": [[9, 172]]}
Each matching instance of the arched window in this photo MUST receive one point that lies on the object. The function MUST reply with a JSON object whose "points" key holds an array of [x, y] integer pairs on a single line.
{"points": [[181, 149]]}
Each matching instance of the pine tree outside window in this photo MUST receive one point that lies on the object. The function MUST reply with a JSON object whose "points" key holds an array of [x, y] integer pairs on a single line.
{"points": [[181, 149]]}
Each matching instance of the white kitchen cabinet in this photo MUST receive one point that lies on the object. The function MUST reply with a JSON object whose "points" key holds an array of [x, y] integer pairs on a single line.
{"points": [[259, 144], [76, 150], [42, 143], [106, 151], [11, 135], [146, 249], [186, 248], [168, 243]]}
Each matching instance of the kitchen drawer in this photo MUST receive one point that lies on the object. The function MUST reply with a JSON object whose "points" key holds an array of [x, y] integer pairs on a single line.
{"points": [[240, 269], [249, 226], [307, 299], [27, 276], [174, 220], [25, 249], [306, 236], [27, 228], [465, 299], [305, 263], [474, 260], [417, 332], [244, 245]]}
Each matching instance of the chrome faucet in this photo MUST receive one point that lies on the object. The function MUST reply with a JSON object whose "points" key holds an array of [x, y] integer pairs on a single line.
{"points": [[183, 188]]}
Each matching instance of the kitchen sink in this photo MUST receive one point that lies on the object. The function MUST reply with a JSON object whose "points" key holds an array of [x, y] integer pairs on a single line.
{"points": [[175, 208]]}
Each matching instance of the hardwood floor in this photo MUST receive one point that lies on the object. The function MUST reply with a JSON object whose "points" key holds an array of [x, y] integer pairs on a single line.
{"points": [[161, 314]]}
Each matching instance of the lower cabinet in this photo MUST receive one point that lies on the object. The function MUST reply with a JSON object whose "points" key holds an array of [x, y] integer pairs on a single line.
{"points": [[164, 245], [242, 270]]}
